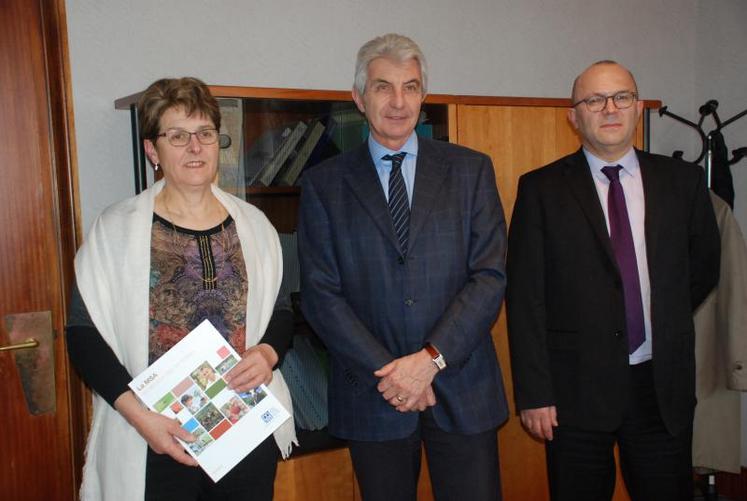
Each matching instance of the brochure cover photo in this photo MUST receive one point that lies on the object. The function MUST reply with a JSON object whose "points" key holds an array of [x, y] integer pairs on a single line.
{"points": [[187, 384]]}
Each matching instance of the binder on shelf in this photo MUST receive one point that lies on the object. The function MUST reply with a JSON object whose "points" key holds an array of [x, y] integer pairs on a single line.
{"points": [[325, 147], [270, 170], [348, 131], [231, 175], [262, 151], [289, 174], [293, 154]]}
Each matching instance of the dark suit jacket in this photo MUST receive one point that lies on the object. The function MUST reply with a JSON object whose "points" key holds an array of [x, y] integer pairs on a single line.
{"points": [[565, 302], [369, 304]]}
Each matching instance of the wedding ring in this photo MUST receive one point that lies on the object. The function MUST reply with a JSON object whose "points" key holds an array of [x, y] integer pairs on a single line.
{"points": [[400, 399]]}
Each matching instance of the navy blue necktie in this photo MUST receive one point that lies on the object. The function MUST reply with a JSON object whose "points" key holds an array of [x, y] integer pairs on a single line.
{"points": [[399, 205], [624, 249]]}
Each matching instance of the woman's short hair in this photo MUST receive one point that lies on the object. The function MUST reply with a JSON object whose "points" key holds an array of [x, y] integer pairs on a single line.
{"points": [[188, 93], [394, 46]]}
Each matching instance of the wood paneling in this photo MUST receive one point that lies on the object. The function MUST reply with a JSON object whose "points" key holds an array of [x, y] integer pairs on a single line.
{"points": [[321, 476], [518, 140], [328, 476]]}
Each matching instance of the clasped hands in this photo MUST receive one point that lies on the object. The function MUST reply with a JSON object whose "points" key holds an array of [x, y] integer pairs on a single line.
{"points": [[406, 382]]}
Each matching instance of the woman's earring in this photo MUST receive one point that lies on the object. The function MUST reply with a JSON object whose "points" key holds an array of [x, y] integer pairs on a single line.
{"points": [[156, 166]]}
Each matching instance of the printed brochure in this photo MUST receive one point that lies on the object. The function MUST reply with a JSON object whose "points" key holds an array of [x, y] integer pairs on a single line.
{"points": [[187, 384]]}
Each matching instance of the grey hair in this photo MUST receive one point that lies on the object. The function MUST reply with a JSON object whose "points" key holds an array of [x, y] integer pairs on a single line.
{"points": [[394, 46], [599, 63]]}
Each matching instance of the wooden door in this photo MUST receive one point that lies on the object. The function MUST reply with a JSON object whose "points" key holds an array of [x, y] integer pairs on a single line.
{"points": [[39, 454], [519, 139]]}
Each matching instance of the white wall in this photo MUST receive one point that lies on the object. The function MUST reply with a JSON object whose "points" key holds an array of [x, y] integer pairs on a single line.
{"points": [[681, 51], [490, 47]]}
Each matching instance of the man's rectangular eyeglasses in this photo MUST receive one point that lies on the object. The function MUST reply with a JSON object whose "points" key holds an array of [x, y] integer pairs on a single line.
{"points": [[181, 137], [597, 102]]}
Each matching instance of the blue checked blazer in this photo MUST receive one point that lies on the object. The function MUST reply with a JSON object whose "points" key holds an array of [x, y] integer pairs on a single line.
{"points": [[369, 304]]}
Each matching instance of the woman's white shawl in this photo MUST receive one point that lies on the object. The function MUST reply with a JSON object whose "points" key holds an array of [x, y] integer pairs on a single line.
{"points": [[112, 270]]}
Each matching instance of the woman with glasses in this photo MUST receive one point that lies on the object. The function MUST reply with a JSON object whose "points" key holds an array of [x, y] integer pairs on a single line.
{"points": [[151, 269]]}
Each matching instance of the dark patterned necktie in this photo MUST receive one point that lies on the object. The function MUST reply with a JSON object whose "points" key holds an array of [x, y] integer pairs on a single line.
{"points": [[624, 248], [399, 205]]}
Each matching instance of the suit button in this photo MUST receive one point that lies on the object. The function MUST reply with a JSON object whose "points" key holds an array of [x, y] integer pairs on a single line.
{"points": [[401, 260], [618, 333], [409, 302]]}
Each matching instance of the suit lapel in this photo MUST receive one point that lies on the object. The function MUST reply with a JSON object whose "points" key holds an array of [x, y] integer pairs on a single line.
{"points": [[365, 184], [654, 191], [579, 179], [430, 173]]}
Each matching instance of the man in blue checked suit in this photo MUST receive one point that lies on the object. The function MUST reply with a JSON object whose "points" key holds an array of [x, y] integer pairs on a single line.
{"points": [[402, 244]]}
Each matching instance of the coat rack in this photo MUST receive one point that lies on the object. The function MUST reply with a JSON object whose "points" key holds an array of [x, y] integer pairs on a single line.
{"points": [[718, 175]]}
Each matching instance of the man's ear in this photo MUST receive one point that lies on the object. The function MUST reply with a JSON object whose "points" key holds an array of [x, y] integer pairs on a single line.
{"points": [[572, 117], [359, 101]]}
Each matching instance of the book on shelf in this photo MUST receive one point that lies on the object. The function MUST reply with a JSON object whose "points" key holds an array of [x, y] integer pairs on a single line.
{"points": [[293, 154], [325, 147], [230, 174], [288, 175], [261, 152], [270, 170], [187, 384]]}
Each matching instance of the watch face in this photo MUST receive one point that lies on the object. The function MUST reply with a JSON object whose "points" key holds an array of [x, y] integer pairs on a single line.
{"points": [[440, 362], [437, 357]]}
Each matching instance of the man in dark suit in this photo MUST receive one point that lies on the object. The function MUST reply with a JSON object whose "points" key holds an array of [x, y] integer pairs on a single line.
{"points": [[402, 244], [610, 250]]}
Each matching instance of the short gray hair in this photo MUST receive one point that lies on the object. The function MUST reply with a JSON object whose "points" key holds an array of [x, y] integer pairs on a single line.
{"points": [[394, 46]]}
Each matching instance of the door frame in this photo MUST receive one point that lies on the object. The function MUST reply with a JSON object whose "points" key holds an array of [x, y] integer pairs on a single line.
{"points": [[66, 206]]}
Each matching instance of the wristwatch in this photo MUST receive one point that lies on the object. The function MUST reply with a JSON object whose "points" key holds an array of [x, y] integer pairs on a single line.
{"points": [[436, 356]]}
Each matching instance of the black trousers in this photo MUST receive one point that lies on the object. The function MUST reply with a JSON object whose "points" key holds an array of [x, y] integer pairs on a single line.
{"points": [[656, 466], [253, 478], [462, 467]]}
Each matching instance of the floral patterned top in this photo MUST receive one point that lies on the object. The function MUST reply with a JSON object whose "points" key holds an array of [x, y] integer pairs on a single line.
{"points": [[195, 275]]}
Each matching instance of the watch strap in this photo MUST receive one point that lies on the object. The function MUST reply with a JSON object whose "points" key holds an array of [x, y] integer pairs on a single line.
{"points": [[436, 356]]}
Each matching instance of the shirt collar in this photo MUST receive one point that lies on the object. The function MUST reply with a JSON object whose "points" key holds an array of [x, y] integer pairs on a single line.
{"points": [[378, 151], [629, 163]]}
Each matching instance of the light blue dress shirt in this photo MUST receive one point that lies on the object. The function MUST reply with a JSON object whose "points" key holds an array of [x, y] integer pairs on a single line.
{"points": [[384, 167], [632, 183]]}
